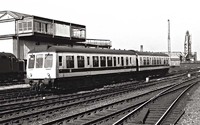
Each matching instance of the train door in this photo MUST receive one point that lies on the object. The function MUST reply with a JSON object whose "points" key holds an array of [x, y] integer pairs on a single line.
{"points": [[137, 63], [61, 64], [88, 61]]}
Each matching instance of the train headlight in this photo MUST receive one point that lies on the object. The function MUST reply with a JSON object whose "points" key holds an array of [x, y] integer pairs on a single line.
{"points": [[48, 75]]}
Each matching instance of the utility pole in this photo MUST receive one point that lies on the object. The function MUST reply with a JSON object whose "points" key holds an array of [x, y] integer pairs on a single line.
{"points": [[169, 43]]}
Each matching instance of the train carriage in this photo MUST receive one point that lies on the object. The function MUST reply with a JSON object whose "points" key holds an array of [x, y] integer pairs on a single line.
{"points": [[11, 68], [153, 63], [72, 68]]}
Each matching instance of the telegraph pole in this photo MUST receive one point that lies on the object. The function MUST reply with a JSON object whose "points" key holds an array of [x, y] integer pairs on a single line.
{"points": [[169, 42]]}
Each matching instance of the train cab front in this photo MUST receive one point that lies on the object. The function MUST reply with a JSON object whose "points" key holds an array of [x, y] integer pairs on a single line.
{"points": [[41, 70]]}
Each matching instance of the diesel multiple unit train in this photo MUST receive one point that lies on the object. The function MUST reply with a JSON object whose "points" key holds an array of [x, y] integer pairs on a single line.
{"points": [[73, 68], [11, 68]]}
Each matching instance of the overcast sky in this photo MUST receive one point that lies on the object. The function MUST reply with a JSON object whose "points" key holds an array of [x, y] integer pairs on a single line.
{"points": [[127, 23]]}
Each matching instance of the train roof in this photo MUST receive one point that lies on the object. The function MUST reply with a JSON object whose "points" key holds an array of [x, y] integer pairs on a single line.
{"points": [[60, 49], [4, 54], [151, 53]]}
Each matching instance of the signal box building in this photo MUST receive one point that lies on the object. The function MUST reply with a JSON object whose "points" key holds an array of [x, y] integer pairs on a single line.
{"points": [[20, 33]]}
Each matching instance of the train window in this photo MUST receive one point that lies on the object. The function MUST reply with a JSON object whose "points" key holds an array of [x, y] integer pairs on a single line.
{"points": [[147, 60], [80, 60], [39, 61], [31, 61], [88, 60], [103, 61], [48, 60], [122, 61], [141, 63], [127, 61], [144, 59], [158, 61], [153, 61], [60, 60], [109, 61], [150, 61], [95, 61], [70, 61], [115, 63]]}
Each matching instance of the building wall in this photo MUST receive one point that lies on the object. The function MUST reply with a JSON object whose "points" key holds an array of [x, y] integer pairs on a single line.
{"points": [[6, 45], [7, 28]]}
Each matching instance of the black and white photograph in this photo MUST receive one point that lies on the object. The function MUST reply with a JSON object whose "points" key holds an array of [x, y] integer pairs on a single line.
{"points": [[99, 62]]}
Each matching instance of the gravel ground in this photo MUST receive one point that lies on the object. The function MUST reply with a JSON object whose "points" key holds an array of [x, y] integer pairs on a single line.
{"points": [[192, 110]]}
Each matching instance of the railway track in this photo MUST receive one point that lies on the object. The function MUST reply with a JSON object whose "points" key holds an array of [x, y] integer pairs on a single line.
{"points": [[20, 95], [50, 106], [160, 109], [32, 109], [27, 109], [106, 114]]}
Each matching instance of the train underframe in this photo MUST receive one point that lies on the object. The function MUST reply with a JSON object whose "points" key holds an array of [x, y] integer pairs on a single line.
{"points": [[91, 82]]}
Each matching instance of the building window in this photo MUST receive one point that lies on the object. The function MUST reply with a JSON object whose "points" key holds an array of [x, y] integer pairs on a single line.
{"points": [[70, 61], [49, 28], [37, 26], [29, 25], [78, 32], [43, 27], [20, 27], [24, 26]]}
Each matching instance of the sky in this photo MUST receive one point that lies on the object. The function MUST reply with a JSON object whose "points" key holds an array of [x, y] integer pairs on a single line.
{"points": [[127, 23]]}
